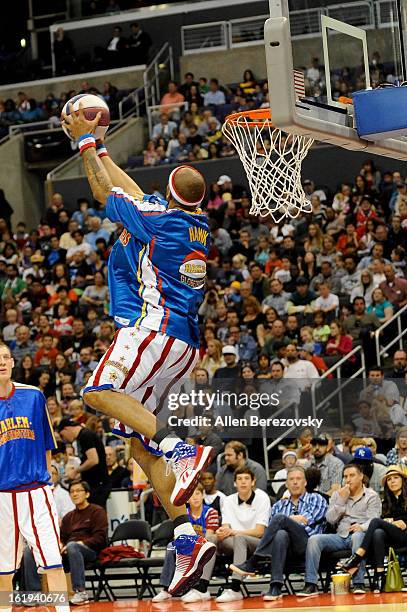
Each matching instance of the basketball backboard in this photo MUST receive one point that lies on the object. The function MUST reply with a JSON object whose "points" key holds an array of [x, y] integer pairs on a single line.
{"points": [[340, 49]]}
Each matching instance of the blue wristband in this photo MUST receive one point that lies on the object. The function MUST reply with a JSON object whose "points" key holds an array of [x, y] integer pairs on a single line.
{"points": [[89, 135]]}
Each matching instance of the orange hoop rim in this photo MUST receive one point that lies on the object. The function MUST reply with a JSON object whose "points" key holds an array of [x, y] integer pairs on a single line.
{"points": [[259, 117]]}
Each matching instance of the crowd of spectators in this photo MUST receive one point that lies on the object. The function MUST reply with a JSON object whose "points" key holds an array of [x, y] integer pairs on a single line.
{"points": [[187, 124], [346, 80], [283, 302], [29, 110]]}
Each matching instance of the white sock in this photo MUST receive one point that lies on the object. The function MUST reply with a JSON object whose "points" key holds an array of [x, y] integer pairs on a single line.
{"points": [[184, 529], [168, 444], [63, 608]]}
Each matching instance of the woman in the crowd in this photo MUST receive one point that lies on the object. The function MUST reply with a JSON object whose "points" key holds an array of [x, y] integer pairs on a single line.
{"points": [[96, 295], [54, 410], [264, 370], [26, 372], [213, 358], [380, 306], [308, 266], [364, 288], [262, 250], [263, 330], [248, 85], [314, 239], [252, 315], [390, 530], [339, 343]]}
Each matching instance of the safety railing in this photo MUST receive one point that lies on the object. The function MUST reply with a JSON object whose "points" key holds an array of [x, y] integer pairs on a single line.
{"points": [[358, 14], [305, 24], [396, 319], [386, 13], [342, 382], [336, 369], [204, 36], [246, 32], [221, 35], [150, 92], [35, 126]]}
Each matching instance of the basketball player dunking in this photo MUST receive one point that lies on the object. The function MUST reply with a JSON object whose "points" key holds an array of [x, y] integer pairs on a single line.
{"points": [[157, 272]]}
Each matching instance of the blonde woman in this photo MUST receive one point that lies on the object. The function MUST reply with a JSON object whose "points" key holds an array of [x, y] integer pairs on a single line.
{"points": [[239, 265], [252, 315], [213, 358], [364, 288]]}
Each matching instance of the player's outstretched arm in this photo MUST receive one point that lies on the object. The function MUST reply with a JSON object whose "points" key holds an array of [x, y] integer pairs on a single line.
{"points": [[81, 128], [119, 178], [99, 180]]}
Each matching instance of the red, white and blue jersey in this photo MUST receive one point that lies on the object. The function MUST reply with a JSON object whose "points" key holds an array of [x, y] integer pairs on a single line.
{"points": [[25, 436], [157, 268]]}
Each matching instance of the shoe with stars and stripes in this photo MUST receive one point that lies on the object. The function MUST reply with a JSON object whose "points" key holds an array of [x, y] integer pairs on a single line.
{"points": [[192, 554], [187, 463]]}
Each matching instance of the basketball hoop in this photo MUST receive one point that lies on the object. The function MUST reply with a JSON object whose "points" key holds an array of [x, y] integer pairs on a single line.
{"points": [[272, 161]]}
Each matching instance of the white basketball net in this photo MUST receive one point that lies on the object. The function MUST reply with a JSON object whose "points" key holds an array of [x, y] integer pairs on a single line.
{"points": [[272, 161]]}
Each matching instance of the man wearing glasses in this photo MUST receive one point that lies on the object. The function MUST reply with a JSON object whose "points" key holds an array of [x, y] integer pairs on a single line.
{"points": [[27, 507]]}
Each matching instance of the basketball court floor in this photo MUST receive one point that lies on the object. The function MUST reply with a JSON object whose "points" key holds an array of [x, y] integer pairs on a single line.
{"points": [[385, 602]]}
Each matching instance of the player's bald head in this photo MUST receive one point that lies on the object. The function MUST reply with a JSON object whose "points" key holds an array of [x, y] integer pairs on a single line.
{"points": [[186, 186]]}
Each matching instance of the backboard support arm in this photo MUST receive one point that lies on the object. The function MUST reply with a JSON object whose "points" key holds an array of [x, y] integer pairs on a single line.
{"points": [[279, 8]]}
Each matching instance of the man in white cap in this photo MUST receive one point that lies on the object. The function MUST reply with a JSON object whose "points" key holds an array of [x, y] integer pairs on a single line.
{"points": [[231, 371]]}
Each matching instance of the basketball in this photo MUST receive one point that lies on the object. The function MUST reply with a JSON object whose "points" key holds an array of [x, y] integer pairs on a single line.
{"points": [[91, 105]]}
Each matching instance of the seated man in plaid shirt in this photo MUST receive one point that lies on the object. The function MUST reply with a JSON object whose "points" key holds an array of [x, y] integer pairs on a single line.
{"points": [[293, 520]]}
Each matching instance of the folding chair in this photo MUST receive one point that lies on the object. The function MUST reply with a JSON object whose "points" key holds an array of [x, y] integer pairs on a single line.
{"points": [[162, 535], [129, 530]]}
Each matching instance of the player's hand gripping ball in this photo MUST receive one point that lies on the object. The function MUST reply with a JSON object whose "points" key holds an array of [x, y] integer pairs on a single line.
{"points": [[90, 105]]}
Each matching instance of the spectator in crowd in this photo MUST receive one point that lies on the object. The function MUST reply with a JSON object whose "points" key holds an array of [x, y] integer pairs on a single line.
{"points": [[399, 367], [83, 536], [22, 345], [329, 466], [165, 128], [278, 298], [138, 43], [373, 470], [289, 459], [245, 515], [380, 388], [300, 369], [93, 459], [214, 97], [398, 454], [63, 52], [236, 457], [212, 496], [293, 520], [229, 374], [172, 101], [394, 288], [351, 509], [116, 473], [380, 306], [389, 530], [113, 55], [96, 232]]}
